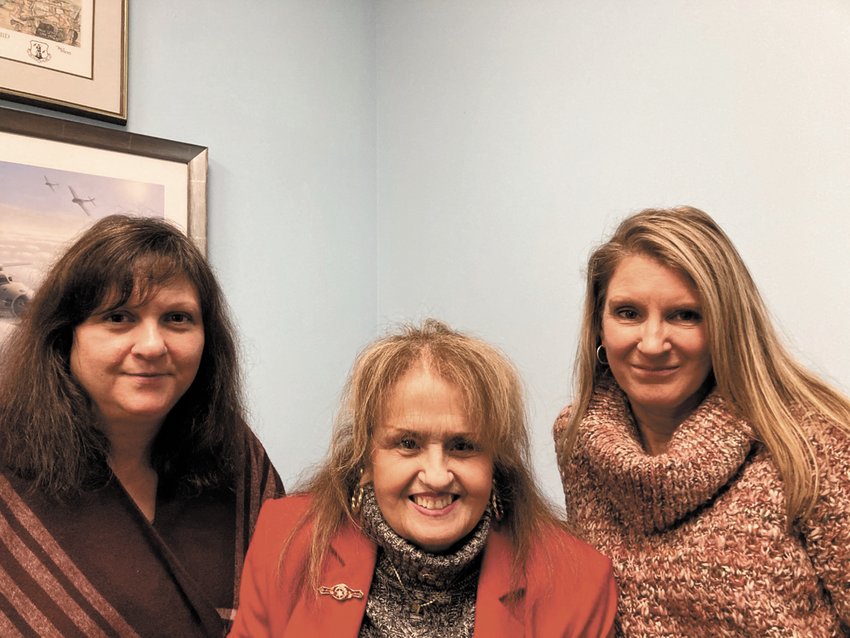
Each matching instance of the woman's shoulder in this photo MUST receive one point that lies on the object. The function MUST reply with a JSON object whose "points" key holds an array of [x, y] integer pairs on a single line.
{"points": [[563, 568], [829, 439], [562, 421], [278, 517], [277, 511], [572, 549], [571, 561], [259, 460]]}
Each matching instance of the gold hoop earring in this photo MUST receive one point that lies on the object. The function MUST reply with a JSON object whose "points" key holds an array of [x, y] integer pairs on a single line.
{"points": [[601, 355], [496, 503], [356, 500]]}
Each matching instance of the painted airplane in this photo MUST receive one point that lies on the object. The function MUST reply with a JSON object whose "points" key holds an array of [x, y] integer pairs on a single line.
{"points": [[47, 182], [14, 296], [81, 202]]}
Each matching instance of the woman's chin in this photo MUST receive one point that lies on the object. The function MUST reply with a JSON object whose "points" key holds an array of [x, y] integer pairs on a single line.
{"points": [[439, 541]]}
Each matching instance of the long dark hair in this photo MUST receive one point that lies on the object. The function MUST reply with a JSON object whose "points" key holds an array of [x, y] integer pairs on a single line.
{"points": [[47, 425]]}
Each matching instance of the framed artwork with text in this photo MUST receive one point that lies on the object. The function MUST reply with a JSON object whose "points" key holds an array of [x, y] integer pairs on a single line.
{"points": [[69, 55]]}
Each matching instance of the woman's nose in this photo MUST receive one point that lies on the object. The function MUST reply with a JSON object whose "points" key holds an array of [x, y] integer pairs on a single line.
{"points": [[150, 342], [435, 472], [653, 338]]}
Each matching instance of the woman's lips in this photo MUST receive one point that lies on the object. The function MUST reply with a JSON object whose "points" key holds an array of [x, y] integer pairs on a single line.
{"points": [[655, 371], [434, 505], [146, 378]]}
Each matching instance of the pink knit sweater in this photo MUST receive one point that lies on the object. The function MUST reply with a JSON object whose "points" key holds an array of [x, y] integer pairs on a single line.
{"points": [[698, 535]]}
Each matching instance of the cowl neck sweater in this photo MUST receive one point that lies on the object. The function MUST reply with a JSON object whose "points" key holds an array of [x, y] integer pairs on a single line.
{"points": [[416, 592], [656, 491], [699, 535]]}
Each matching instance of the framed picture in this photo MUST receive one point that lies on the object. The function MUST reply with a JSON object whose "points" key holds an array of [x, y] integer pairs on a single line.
{"points": [[69, 55], [58, 177]]}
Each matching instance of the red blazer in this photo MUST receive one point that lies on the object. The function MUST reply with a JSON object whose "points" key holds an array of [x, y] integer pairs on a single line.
{"points": [[577, 597]]}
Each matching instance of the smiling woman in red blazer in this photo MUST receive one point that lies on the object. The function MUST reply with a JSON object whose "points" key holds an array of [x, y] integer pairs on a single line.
{"points": [[425, 519]]}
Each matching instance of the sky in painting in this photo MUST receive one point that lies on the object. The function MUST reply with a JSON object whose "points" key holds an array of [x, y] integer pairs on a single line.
{"points": [[38, 217]]}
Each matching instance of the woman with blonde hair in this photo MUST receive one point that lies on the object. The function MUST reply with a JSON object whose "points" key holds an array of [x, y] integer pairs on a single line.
{"points": [[708, 463], [424, 519]]}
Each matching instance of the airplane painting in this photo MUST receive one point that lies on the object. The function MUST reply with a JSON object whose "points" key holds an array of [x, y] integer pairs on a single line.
{"points": [[40, 214], [80, 201]]}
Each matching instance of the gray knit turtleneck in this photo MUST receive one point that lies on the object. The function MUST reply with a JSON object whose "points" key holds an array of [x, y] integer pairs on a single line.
{"points": [[441, 586]]}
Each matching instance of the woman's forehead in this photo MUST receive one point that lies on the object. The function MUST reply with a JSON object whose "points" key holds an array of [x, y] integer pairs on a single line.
{"points": [[427, 428], [143, 288]]}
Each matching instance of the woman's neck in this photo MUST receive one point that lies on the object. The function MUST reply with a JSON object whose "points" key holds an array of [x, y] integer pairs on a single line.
{"points": [[655, 441], [130, 461], [658, 424], [657, 427]]}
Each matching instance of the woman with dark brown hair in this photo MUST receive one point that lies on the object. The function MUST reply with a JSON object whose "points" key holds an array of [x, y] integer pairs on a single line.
{"points": [[130, 480], [425, 519]]}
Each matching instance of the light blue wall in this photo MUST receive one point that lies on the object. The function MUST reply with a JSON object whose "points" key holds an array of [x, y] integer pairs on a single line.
{"points": [[283, 94], [513, 135], [374, 161]]}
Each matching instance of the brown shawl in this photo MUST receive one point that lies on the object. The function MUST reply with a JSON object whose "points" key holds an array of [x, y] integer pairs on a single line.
{"points": [[95, 566]]}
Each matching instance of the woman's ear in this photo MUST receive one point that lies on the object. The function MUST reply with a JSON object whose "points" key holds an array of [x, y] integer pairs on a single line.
{"points": [[366, 476]]}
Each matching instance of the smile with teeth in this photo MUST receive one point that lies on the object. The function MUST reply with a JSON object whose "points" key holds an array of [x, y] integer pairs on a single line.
{"points": [[433, 502]]}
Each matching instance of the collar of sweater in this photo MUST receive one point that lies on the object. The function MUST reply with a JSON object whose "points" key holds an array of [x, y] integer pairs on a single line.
{"points": [[654, 492], [416, 565]]}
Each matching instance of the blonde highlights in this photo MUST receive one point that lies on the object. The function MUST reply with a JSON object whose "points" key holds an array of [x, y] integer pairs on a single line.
{"points": [[493, 398], [752, 369]]}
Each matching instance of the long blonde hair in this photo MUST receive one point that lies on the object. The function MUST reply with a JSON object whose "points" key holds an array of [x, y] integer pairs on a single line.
{"points": [[752, 369], [493, 399]]}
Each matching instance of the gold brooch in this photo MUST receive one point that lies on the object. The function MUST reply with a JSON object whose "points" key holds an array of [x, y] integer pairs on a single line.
{"points": [[341, 592]]}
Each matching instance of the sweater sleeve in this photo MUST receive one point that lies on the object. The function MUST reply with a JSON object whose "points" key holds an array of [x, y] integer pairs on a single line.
{"points": [[559, 432], [827, 531]]}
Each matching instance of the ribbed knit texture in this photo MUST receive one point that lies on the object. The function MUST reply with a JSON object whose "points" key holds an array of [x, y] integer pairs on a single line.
{"points": [[446, 582], [698, 535]]}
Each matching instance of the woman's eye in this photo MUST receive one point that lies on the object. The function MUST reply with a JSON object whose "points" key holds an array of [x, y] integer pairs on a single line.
{"points": [[407, 443], [116, 317], [688, 316], [178, 317], [463, 445], [626, 313]]}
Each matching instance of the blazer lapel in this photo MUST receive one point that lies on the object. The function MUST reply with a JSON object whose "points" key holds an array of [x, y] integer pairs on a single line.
{"points": [[350, 564], [493, 615]]}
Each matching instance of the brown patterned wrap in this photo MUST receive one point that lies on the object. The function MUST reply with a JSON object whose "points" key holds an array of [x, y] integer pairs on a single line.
{"points": [[94, 567]]}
